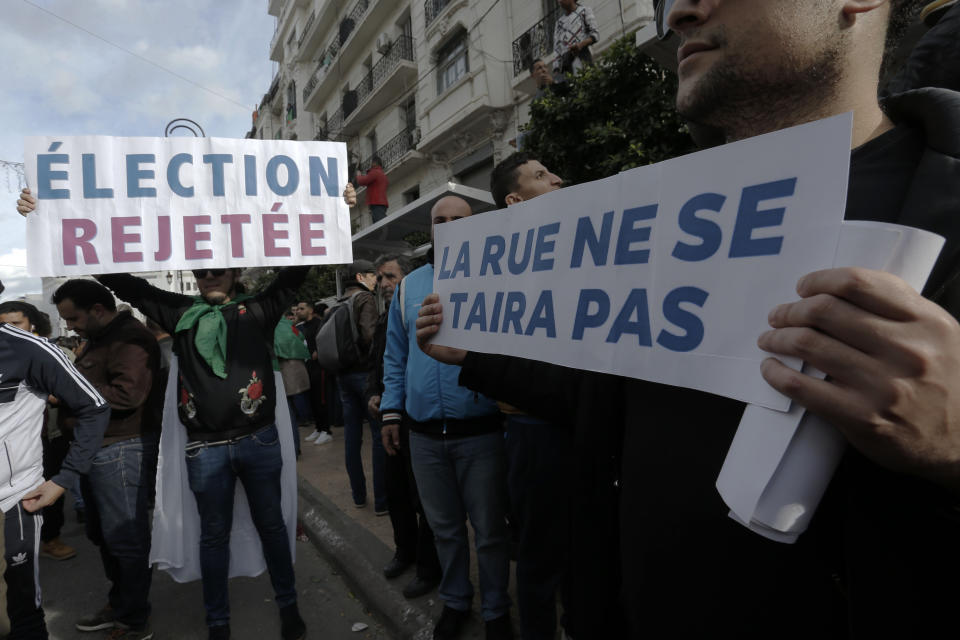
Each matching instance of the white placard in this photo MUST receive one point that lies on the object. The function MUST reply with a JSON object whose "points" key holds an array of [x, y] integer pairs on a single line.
{"points": [[780, 464], [108, 205], [665, 273]]}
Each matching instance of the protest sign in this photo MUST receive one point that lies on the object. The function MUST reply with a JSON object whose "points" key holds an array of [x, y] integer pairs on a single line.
{"points": [[779, 464], [109, 205], [665, 273]]}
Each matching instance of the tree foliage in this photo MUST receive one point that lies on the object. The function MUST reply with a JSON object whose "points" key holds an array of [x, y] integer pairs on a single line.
{"points": [[321, 281], [612, 116]]}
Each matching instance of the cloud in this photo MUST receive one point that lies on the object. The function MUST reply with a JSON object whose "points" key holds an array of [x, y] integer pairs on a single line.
{"points": [[61, 80], [198, 58], [13, 274]]}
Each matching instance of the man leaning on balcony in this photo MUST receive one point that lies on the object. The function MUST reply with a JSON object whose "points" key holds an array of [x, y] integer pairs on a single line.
{"points": [[375, 180]]}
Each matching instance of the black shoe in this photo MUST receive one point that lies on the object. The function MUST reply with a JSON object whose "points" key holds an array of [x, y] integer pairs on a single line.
{"points": [[123, 633], [499, 628], [102, 619], [450, 623], [220, 632], [292, 626], [419, 587], [395, 567]]}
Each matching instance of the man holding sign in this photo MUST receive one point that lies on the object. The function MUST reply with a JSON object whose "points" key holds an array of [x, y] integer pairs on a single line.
{"points": [[879, 558], [231, 434]]}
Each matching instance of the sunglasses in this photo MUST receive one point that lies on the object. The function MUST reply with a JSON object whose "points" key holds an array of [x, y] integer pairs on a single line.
{"points": [[202, 273], [661, 14]]}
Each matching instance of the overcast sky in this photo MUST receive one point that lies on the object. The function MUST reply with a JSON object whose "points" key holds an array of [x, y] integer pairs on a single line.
{"points": [[62, 81]]}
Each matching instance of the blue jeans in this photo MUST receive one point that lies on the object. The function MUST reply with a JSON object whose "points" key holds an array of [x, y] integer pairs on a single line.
{"points": [[354, 411], [457, 478], [118, 491], [299, 406], [213, 473]]}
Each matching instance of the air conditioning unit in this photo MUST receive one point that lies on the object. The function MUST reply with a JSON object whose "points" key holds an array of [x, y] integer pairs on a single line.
{"points": [[383, 43]]}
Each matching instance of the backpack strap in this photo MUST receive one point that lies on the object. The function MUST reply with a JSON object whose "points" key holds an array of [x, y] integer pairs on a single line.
{"points": [[350, 302], [402, 297]]}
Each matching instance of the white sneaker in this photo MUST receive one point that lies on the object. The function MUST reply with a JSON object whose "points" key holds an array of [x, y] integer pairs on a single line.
{"points": [[313, 436], [323, 438]]}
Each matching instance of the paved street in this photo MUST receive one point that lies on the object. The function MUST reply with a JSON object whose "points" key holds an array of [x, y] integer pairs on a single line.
{"points": [[72, 588]]}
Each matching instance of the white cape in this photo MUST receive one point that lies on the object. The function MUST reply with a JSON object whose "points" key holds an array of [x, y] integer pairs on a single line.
{"points": [[176, 522]]}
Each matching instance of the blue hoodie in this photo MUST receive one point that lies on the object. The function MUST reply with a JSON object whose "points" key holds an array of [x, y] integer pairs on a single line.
{"points": [[413, 381]]}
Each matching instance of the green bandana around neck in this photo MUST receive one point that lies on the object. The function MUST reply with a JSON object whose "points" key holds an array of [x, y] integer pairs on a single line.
{"points": [[211, 337]]}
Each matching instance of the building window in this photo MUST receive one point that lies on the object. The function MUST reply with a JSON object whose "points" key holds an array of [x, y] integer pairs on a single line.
{"points": [[452, 62]]}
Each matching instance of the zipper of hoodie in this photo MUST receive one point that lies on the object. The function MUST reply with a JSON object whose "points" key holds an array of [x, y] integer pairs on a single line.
{"points": [[6, 451], [443, 413]]}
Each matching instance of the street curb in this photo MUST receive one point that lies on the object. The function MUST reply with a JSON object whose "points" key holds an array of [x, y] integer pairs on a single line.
{"points": [[359, 555]]}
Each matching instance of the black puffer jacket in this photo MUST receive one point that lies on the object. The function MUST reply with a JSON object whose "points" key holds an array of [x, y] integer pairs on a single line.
{"points": [[935, 59]]}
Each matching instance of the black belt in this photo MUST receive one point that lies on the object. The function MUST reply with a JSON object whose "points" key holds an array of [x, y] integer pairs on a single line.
{"points": [[453, 427], [214, 438]]}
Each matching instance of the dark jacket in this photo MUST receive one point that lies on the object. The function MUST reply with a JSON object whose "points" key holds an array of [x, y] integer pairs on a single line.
{"points": [[122, 361], [365, 314], [377, 348], [210, 407], [880, 557], [935, 59]]}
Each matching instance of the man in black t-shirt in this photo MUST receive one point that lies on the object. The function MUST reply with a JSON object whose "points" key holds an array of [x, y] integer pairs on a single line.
{"points": [[880, 558]]}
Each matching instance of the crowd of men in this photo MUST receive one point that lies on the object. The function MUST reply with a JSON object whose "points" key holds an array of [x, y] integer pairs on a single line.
{"points": [[602, 485]]}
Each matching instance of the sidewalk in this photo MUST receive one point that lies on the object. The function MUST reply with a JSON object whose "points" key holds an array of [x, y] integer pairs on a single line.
{"points": [[359, 543]]}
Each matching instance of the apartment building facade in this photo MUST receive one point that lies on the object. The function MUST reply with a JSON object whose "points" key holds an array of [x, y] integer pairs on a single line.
{"points": [[436, 88]]}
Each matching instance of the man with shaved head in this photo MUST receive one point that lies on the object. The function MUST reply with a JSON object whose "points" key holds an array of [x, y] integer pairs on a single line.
{"points": [[457, 454]]}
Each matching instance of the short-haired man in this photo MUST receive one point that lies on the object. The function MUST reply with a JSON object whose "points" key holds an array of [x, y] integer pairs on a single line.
{"points": [[308, 323], [376, 182], [542, 77], [122, 362], [412, 537], [360, 279], [540, 468], [30, 370], [457, 454], [880, 555], [521, 177], [573, 34]]}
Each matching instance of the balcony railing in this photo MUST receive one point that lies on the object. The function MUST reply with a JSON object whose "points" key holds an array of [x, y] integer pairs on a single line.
{"points": [[347, 25], [393, 151], [326, 61], [400, 49], [335, 124], [432, 8], [535, 42], [306, 29]]}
